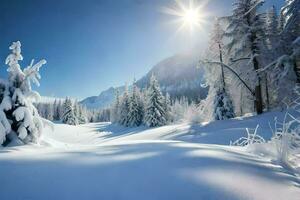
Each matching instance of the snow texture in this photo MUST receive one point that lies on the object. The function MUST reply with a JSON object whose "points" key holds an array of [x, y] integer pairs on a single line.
{"points": [[182, 161]]}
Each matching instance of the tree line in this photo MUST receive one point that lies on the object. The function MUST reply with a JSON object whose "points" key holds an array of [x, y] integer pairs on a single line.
{"points": [[71, 112], [151, 107]]}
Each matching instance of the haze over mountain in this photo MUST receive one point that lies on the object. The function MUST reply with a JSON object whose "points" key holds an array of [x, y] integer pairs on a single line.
{"points": [[178, 75]]}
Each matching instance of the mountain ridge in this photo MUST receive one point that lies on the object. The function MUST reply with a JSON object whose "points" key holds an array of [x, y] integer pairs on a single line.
{"points": [[178, 75]]}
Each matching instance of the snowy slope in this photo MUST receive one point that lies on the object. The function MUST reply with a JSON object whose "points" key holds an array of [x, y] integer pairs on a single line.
{"points": [[105, 161], [177, 75]]}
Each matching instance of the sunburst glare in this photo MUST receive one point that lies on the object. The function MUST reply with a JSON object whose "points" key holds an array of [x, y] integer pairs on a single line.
{"points": [[189, 14]]}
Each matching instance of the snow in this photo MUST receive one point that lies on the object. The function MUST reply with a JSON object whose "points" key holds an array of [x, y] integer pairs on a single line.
{"points": [[181, 161]]}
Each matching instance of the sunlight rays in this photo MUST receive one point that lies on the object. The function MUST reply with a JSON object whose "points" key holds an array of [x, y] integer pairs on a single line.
{"points": [[189, 15]]}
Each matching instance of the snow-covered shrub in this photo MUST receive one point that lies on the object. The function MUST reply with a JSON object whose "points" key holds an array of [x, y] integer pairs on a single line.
{"points": [[178, 109], [183, 111], [192, 113], [252, 138], [286, 138], [284, 145], [19, 118]]}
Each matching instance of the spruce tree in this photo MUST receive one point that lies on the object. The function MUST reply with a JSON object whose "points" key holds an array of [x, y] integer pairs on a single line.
{"points": [[223, 108], [115, 110], [19, 118], [291, 27], [82, 115], [155, 108], [136, 110], [68, 115], [218, 100], [272, 34], [245, 34], [168, 108], [124, 108]]}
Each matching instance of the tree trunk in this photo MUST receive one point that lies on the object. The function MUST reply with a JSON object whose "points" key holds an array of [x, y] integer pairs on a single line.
{"points": [[258, 97], [222, 68], [254, 49], [267, 93]]}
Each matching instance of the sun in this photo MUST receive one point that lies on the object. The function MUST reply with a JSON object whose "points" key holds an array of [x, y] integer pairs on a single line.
{"points": [[191, 17], [188, 14]]}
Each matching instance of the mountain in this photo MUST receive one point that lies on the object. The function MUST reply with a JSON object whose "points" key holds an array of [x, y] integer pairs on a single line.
{"points": [[178, 75], [103, 100]]}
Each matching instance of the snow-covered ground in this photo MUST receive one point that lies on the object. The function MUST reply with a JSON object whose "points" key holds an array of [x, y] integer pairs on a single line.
{"points": [[183, 161]]}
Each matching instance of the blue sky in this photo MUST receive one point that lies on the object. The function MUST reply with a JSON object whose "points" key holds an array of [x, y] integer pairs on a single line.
{"points": [[91, 45]]}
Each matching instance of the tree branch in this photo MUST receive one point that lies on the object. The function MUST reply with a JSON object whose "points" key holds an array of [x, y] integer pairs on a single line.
{"points": [[236, 74], [239, 59]]}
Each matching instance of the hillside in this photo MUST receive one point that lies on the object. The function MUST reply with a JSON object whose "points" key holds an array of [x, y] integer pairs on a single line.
{"points": [[177, 75]]}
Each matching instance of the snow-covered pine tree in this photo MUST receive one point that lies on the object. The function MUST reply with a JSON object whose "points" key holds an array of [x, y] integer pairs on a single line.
{"points": [[291, 26], [177, 111], [283, 77], [55, 110], [69, 116], [115, 110], [272, 34], [168, 108], [5, 127], [291, 30], [25, 125], [223, 108], [284, 68], [124, 108], [136, 109], [82, 115], [60, 109], [49, 111], [155, 114], [76, 109], [245, 34], [218, 103], [271, 51]]}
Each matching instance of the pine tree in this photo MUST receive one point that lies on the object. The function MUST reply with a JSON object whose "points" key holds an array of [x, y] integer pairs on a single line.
{"points": [[49, 111], [291, 18], [55, 110], [69, 116], [167, 108], [284, 69], [82, 114], [223, 108], [60, 109], [24, 123], [246, 35], [124, 108], [5, 126], [217, 101], [155, 113], [272, 34], [136, 110], [76, 109], [115, 117]]}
